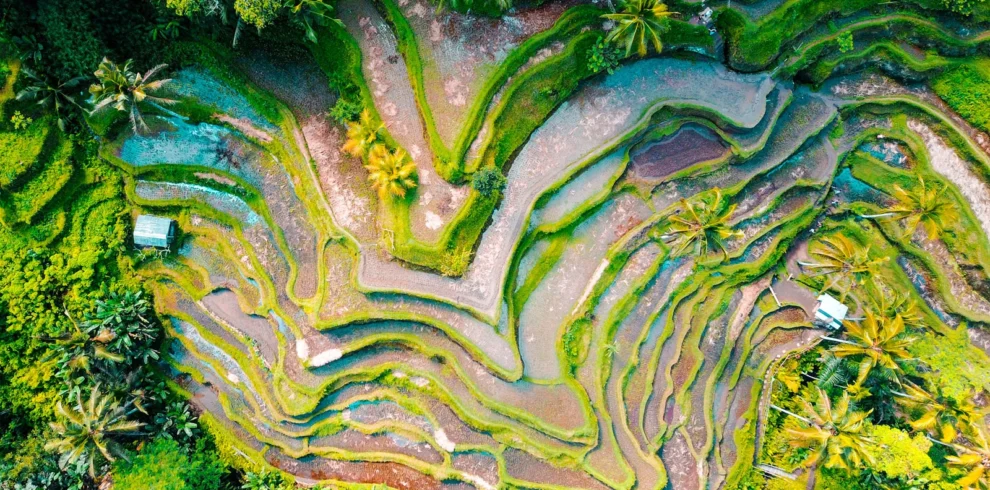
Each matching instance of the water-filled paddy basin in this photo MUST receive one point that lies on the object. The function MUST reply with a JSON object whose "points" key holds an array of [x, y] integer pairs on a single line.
{"points": [[688, 146]]}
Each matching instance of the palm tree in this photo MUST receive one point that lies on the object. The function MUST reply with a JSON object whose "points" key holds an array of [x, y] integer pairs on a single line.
{"points": [[701, 225], [391, 172], [54, 95], [845, 262], [890, 303], [122, 89], [834, 434], [91, 430], [308, 13], [640, 24], [975, 457], [928, 206], [362, 135], [940, 413], [877, 341]]}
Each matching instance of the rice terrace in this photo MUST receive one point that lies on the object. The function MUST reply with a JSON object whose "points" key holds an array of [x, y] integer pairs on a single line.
{"points": [[485, 244]]}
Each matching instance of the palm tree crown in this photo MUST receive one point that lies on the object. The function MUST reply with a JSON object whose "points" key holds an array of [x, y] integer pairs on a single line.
{"points": [[55, 95], [878, 341], [939, 414], [834, 433], [90, 430], [976, 458], [845, 262], [701, 225], [122, 89], [391, 172], [362, 135], [927, 206], [640, 24]]}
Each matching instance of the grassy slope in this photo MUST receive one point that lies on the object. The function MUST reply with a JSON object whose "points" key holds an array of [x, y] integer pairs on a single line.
{"points": [[966, 89]]}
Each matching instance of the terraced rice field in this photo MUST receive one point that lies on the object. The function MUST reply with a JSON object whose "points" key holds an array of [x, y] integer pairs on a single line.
{"points": [[574, 351]]}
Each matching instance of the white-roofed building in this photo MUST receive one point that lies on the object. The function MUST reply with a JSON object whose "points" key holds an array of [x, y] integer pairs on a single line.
{"points": [[830, 312]]}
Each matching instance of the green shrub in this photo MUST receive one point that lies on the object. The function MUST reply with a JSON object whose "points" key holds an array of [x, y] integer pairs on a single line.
{"points": [[346, 110], [165, 465], [966, 7], [265, 480], [603, 56], [488, 181], [20, 121], [845, 41]]}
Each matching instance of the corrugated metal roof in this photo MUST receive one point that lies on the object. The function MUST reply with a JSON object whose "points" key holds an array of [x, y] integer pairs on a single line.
{"points": [[152, 231]]}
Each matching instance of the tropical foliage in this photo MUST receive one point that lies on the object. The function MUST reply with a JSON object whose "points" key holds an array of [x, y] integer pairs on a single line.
{"points": [[60, 97], [842, 263], [925, 205], [639, 25], [121, 89], [488, 181], [391, 172], [91, 430], [701, 226], [974, 458], [938, 413], [362, 135], [876, 342], [834, 433]]}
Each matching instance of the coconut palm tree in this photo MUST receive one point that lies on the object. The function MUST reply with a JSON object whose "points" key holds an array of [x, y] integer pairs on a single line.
{"points": [[391, 173], [875, 341], [889, 303], [362, 135], [975, 457], [88, 431], [639, 25], [928, 206], [701, 225], [56, 95], [844, 262], [833, 433], [940, 414], [126, 91]]}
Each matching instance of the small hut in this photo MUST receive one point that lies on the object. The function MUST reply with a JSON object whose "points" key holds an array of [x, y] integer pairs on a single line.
{"points": [[830, 312], [155, 232]]}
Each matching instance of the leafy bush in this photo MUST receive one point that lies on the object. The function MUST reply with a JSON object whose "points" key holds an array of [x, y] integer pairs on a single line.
{"points": [[845, 41], [346, 110], [965, 7], [165, 465], [488, 181], [265, 480], [603, 56], [20, 121]]}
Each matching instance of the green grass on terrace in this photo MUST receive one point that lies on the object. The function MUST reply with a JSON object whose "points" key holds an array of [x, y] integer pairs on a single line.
{"points": [[966, 89]]}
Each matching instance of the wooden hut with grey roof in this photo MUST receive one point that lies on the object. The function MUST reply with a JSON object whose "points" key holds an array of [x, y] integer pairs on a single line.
{"points": [[154, 231]]}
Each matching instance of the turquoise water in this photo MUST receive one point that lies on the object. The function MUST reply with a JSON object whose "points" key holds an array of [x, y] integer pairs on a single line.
{"points": [[208, 90], [187, 144]]}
